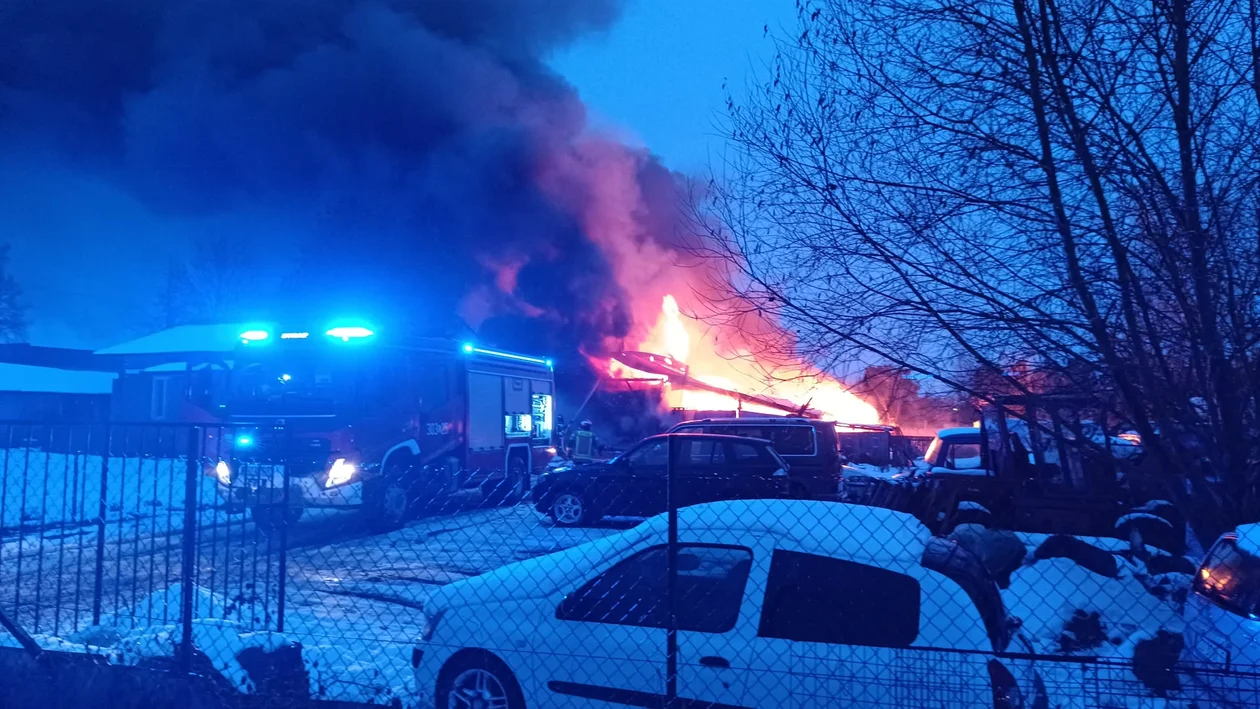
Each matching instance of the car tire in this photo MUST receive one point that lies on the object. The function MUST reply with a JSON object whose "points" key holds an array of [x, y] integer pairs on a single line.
{"points": [[387, 503], [269, 519], [509, 489], [569, 508], [797, 491], [477, 678]]}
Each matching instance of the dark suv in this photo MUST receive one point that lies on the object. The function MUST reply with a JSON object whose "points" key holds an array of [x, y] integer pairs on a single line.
{"points": [[808, 445], [708, 468]]}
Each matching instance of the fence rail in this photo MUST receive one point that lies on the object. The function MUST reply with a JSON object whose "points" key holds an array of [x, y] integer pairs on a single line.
{"points": [[129, 541]]}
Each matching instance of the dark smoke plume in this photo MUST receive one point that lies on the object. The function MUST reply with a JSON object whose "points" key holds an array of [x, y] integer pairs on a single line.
{"points": [[407, 159]]}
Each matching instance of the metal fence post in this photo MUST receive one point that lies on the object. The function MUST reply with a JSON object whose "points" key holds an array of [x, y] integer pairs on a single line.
{"points": [[98, 581], [187, 568], [671, 629], [281, 583]]}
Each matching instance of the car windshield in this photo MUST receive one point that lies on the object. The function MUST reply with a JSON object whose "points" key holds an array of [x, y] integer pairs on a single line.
{"points": [[793, 440], [1230, 578], [301, 387], [965, 569]]}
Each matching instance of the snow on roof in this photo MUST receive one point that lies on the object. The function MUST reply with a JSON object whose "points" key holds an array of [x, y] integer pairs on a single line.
{"points": [[185, 338], [855, 529], [961, 431], [1249, 538], [183, 367], [29, 378], [810, 526]]}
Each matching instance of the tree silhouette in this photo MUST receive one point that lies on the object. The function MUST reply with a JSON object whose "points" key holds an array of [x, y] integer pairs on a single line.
{"points": [[13, 309]]}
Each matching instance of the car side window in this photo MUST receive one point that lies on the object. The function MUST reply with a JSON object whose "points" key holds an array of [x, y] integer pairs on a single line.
{"points": [[793, 440], [819, 599], [748, 454], [702, 455], [651, 454], [964, 456], [709, 590]]}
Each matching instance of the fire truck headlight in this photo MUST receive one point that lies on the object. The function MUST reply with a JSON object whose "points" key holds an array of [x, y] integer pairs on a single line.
{"points": [[223, 472], [341, 472]]}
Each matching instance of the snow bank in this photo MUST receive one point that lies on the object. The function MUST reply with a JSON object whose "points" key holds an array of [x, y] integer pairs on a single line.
{"points": [[1056, 598], [344, 658]]}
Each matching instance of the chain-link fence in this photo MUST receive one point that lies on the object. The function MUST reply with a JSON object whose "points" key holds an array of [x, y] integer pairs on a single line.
{"points": [[686, 572]]}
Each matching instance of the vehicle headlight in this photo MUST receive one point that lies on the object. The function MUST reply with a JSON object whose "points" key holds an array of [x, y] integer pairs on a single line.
{"points": [[223, 472], [341, 472], [428, 625]]}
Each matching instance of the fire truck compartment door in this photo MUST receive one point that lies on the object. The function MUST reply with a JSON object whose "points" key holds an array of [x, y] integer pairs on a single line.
{"points": [[515, 395], [485, 411]]}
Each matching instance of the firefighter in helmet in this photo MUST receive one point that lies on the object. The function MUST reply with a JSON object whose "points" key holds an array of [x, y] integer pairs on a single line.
{"points": [[584, 443]]}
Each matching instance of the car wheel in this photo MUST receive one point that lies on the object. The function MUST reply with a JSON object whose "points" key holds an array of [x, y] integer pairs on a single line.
{"points": [[478, 681], [569, 509], [797, 491], [386, 504]]}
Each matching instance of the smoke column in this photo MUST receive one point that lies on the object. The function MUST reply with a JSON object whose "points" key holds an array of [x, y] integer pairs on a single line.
{"points": [[406, 159]]}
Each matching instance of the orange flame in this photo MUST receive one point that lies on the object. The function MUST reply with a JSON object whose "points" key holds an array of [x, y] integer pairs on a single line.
{"points": [[673, 333]]}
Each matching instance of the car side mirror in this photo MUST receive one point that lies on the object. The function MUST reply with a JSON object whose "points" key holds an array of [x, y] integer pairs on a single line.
{"points": [[780, 473]]}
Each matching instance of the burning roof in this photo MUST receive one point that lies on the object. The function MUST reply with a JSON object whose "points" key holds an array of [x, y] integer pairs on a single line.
{"points": [[724, 378]]}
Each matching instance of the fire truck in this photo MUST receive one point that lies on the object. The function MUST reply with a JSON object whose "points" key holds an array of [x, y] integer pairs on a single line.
{"points": [[342, 417]]}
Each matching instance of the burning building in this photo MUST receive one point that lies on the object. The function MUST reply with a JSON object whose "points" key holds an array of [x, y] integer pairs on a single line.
{"points": [[724, 378]]}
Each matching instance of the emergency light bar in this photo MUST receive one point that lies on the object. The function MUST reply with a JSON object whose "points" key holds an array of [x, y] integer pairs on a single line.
{"points": [[469, 348], [254, 335], [345, 334]]}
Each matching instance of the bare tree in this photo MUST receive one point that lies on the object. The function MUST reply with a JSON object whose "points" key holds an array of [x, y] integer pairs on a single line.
{"points": [[1071, 186], [219, 281], [13, 309]]}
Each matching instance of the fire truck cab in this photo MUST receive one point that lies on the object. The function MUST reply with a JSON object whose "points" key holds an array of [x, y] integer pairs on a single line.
{"points": [[349, 418]]}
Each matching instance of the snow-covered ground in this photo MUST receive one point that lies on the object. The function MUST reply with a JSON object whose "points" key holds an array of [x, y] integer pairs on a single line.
{"points": [[352, 598], [39, 489]]}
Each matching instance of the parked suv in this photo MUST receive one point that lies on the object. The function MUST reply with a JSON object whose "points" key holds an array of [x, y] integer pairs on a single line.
{"points": [[778, 603], [810, 446], [708, 468]]}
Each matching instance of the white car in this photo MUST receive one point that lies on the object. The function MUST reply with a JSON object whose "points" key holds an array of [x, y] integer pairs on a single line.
{"points": [[1223, 612], [779, 603]]}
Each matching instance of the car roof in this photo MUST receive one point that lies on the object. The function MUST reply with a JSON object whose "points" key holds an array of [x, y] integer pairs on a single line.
{"points": [[756, 421], [834, 529], [827, 528], [707, 436], [956, 432]]}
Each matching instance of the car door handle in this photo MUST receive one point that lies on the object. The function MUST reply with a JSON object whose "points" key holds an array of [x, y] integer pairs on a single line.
{"points": [[715, 661]]}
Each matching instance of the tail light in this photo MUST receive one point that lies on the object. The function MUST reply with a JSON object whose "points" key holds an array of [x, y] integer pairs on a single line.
{"points": [[1006, 694]]}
